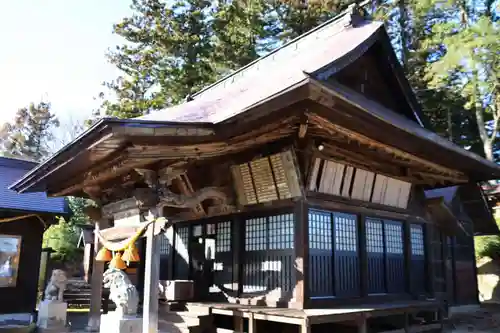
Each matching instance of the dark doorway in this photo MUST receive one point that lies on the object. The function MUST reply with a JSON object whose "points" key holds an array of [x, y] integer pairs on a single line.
{"points": [[202, 248]]}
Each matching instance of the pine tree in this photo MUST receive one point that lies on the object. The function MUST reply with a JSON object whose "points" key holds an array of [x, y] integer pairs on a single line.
{"points": [[167, 56], [30, 134], [469, 48], [296, 17], [242, 32]]}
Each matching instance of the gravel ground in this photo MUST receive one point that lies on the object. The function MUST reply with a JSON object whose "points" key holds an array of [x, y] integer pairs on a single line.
{"points": [[484, 320], [77, 321]]}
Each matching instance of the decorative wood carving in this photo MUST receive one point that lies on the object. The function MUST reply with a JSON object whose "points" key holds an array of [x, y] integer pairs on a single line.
{"points": [[187, 189], [170, 199], [94, 213], [117, 237]]}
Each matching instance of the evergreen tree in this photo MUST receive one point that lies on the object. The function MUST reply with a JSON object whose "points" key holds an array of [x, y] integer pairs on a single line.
{"points": [[470, 48], [167, 56], [30, 134], [296, 17]]}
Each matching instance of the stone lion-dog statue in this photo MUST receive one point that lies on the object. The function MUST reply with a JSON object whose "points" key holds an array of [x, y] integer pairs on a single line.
{"points": [[121, 291], [56, 286]]}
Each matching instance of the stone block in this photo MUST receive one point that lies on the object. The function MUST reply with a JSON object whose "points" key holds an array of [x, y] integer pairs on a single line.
{"points": [[52, 316], [113, 322]]}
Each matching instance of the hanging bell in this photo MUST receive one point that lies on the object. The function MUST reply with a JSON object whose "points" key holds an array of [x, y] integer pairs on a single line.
{"points": [[103, 255], [117, 262], [131, 254]]}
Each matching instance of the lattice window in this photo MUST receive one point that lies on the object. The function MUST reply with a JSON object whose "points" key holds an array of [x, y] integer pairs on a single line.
{"points": [[394, 237], [320, 230], [197, 230], [211, 229], [374, 235], [417, 240], [223, 237], [164, 244], [256, 234], [183, 234], [281, 232], [346, 236]]}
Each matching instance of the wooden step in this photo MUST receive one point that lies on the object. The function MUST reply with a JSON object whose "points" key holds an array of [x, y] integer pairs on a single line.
{"points": [[169, 327], [198, 309], [224, 330], [189, 318]]}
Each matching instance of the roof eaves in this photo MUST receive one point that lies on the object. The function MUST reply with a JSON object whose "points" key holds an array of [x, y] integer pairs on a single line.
{"points": [[399, 121], [29, 180]]}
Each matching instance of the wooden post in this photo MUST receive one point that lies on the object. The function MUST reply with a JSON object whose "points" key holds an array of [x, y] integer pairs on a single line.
{"points": [[301, 255], [362, 326], [306, 326], [151, 280], [96, 285], [407, 255], [363, 256], [252, 324]]}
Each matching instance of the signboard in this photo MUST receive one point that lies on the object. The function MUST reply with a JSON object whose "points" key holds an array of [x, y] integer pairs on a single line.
{"points": [[10, 250]]}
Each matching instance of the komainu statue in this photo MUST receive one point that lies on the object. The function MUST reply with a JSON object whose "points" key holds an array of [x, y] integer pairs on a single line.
{"points": [[56, 286], [121, 291]]}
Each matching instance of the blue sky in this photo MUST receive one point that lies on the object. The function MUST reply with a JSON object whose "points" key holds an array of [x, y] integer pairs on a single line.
{"points": [[55, 50]]}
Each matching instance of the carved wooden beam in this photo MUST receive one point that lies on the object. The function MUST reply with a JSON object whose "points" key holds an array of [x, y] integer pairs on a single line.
{"points": [[187, 190], [169, 199], [121, 235]]}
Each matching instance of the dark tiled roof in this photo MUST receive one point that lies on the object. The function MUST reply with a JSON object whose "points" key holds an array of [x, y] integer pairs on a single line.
{"points": [[274, 73], [10, 171]]}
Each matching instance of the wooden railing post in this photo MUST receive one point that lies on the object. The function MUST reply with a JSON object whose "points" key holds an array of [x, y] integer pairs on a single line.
{"points": [[151, 280]]}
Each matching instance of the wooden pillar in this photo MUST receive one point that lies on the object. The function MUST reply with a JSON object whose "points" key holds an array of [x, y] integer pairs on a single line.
{"points": [[151, 280], [301, 293], [96, 284], [252, 324], [429, 259], [407, 256], [363, 256], [238, 247], [306, 326]]}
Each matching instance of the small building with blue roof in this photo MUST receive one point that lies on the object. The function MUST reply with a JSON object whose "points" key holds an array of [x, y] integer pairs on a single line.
{"points": [[23, 220]]}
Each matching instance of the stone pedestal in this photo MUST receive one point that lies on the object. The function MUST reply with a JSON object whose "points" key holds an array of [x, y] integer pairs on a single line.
{"points": [[52, 316], [113, 322]]}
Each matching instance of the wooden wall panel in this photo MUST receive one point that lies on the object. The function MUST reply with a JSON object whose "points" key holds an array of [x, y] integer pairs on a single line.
{"points": [[346, 188], [292, 173], [363, 184], [267, 179], [313, 178], [379, 189], [331, 179], [246, 176], [239, 185], [263, 180]]}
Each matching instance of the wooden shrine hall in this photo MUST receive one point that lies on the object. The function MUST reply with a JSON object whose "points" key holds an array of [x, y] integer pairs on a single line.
{"points": [[293, 193]]}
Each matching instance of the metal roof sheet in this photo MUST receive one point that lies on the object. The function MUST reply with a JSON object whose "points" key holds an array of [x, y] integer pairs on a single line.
{"points": [[273, 74], [10, 171]]}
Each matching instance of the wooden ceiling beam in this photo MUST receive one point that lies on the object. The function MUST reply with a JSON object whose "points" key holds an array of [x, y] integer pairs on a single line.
{"points": [[336, 130]]}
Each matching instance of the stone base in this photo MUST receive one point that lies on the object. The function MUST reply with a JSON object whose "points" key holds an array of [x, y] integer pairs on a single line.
{"points": [[113, 322], [52, 316]]}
